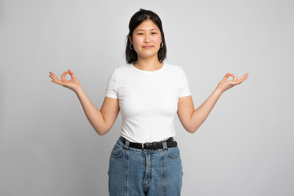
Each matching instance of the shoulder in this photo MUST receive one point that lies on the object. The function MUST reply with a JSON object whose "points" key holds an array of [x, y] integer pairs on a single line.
{"points": [[118, 71], [122, 68], [175, 68], [123, 73]]}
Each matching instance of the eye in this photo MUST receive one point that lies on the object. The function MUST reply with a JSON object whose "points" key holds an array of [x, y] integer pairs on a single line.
{"points": [[140, 33], [154, 33]]}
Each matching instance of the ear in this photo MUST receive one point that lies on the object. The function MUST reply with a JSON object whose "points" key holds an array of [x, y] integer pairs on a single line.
{"points": [[130, 39]]}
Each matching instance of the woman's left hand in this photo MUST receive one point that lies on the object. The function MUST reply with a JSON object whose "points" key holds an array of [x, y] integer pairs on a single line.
{"points": [[225, 84]]}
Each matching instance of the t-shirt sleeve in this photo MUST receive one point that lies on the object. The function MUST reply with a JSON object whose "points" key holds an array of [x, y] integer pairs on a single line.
{"points": [[111, 90], [185, 90]]}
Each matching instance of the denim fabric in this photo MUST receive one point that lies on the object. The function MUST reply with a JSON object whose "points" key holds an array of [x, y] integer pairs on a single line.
{"points": [[137, 172]]}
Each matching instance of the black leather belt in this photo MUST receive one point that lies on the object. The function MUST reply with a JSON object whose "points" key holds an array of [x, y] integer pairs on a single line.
{"points": [[153, 145]]}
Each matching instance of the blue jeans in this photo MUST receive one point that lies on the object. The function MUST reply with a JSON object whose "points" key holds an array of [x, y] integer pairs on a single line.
{"points": [[137, 172]]}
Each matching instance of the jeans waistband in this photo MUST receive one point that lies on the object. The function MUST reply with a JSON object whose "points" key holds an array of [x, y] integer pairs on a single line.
{"points": [[152, 145]]}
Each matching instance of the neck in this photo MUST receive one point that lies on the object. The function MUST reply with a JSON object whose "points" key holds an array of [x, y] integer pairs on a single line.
{"points": [[150, 64]]}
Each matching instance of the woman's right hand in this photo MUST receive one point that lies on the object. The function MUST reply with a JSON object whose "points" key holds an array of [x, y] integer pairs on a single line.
{"points": [[72, 84]]}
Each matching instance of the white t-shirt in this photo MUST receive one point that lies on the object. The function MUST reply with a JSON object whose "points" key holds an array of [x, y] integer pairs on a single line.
{"points": [[148, 100]]}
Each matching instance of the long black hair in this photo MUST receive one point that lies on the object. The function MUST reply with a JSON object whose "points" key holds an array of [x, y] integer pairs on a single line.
{"points": [[136, 20]]}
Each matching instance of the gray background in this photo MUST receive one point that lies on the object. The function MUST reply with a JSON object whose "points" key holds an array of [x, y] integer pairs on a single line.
{"points": [[47, 145]]}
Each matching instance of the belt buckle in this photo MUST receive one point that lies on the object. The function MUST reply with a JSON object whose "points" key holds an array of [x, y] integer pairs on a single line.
{"points": [[152, 145], [148, 147]]}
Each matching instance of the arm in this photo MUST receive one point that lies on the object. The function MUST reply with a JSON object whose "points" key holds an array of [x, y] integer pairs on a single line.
{"points": [[94, 115], [101, 120], [200, 114], [192, 119]]}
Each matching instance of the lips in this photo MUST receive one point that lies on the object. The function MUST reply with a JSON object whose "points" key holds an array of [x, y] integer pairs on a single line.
{"points": [[147, 46]]}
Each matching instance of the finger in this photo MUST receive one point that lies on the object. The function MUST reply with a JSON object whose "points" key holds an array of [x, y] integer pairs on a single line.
{"points": [[226, 77], [53, 74], [63, 76], [71, 74], [55, 82], [244, 77], [240, 80], [234, 77], [55, 78]]}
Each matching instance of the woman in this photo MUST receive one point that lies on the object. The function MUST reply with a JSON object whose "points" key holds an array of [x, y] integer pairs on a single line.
{"points": [[145, 159]]}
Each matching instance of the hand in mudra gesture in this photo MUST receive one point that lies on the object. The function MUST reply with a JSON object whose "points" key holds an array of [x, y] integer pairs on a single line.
{"points": [[72, 84], [226, 84]]}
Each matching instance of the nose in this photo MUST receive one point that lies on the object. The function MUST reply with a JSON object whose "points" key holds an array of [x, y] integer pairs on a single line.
{"points": [[147, 38]]}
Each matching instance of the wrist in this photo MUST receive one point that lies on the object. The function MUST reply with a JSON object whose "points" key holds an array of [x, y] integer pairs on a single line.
{"points": [[219, 91], [79, 90]]}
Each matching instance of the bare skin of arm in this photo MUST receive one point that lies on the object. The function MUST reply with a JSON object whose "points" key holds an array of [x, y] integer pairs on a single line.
{"points": [[101, 120], [192, 119]]}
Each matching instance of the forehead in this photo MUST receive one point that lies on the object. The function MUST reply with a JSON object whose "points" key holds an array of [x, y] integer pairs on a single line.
{"points": [[147, 25]]}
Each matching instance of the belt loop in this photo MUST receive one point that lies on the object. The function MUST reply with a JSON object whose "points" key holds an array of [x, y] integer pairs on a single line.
{"points": [[164, 146], [127, 144]]}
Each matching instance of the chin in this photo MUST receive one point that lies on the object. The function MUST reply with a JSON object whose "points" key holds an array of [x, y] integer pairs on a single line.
{"points": [[147, 56]]}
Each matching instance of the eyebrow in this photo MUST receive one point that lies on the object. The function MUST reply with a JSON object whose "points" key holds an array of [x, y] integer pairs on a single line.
{"points": [[143, 29]]}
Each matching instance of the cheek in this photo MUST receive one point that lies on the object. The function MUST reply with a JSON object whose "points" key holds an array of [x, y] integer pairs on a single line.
{"points": [[157, 40], [137, 40]]}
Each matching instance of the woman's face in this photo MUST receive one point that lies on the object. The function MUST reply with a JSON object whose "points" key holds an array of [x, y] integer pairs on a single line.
{"points": [[146, 39]]}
